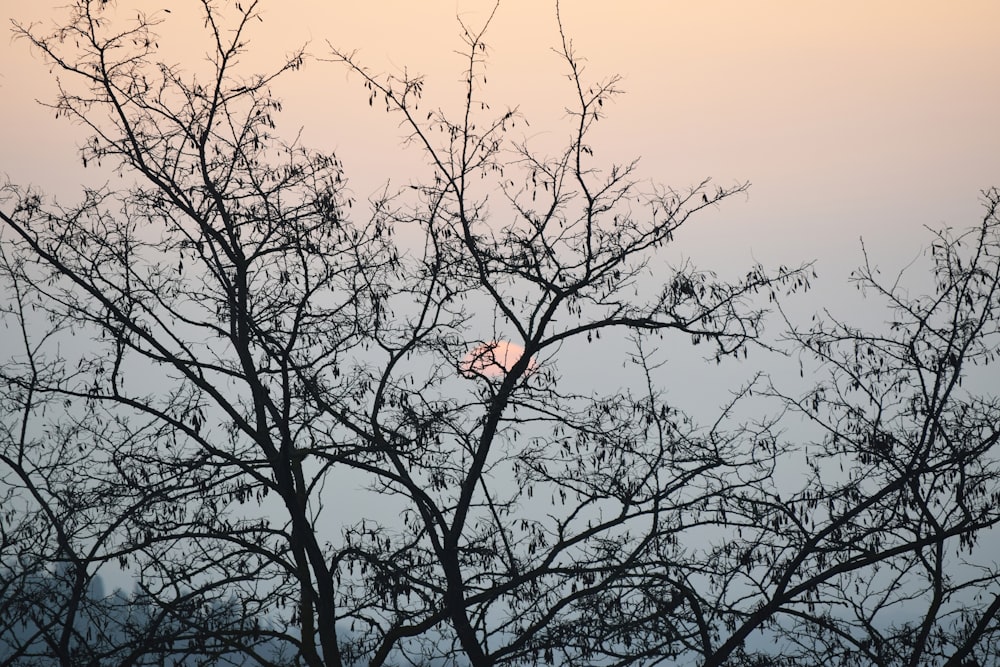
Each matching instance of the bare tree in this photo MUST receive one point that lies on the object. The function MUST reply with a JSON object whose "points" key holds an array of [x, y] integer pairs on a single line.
{"points": [[872, 556], [239, 342], [77, 499], [912, 415], [250, 342]]}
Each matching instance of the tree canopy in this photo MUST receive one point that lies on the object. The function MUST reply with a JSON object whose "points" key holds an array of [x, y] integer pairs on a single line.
{"points": [[310, 443]]}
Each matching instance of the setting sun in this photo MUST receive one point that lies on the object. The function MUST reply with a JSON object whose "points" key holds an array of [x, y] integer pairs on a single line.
{"points": [[493, 360]]}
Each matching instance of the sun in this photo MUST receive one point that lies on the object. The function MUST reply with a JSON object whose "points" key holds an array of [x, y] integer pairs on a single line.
{"points": [[493, 360]]}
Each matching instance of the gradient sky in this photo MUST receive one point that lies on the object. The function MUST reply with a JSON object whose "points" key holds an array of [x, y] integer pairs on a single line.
{"points": [[849, 119]]}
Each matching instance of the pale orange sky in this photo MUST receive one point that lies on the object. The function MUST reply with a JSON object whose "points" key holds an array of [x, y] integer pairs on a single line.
{"points": [[849, 118]]}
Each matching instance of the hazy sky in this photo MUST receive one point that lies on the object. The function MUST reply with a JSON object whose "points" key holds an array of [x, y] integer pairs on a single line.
{"points": [[849, 119]]}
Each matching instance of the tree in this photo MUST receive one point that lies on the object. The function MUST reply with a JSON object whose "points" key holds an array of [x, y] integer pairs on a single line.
{"points": [[254, 343], [871, 557], [923, 482], [67, 514]]}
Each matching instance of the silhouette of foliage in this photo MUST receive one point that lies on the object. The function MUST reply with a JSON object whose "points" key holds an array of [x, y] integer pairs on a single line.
{"points": [[241, 389]]}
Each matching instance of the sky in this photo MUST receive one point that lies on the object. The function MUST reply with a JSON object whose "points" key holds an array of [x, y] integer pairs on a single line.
{"points": [[849, 119]]}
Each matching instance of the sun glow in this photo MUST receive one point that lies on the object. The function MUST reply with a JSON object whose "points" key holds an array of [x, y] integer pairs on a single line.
{"points": [[494, 360]]}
